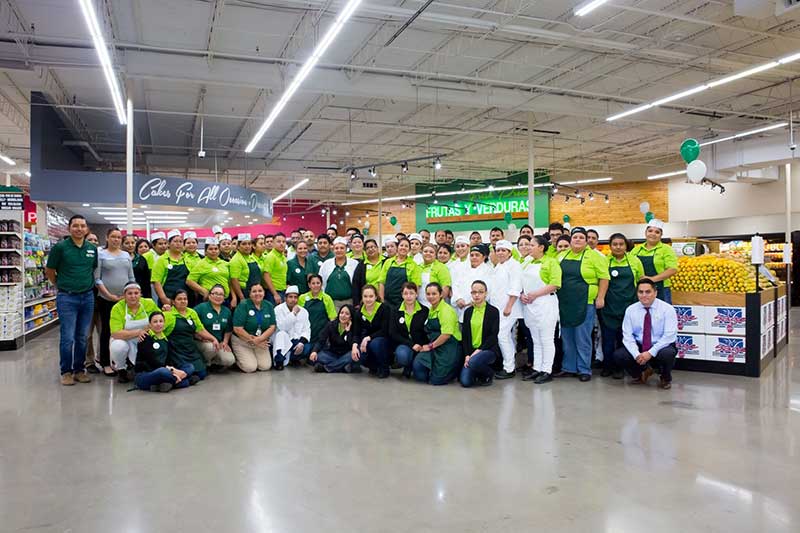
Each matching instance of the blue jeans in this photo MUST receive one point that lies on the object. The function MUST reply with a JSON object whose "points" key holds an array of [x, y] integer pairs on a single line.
{"points": [[665, 294], [404, 356], [145, 380], [335, 363], [293, 356], [578, 345], [378, 354], [479, 367], [75, 312]]}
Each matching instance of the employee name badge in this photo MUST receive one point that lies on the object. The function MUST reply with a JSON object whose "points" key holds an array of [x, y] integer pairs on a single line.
{"points": [[169, 267], [215, 270], [614, 273], [190, 321], [216, 327], [258, 332], [156, 346], [297, 270], [402, 320]]}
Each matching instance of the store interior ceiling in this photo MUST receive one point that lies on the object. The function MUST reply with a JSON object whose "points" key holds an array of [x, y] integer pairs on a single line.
{"points": [[404, 79]]}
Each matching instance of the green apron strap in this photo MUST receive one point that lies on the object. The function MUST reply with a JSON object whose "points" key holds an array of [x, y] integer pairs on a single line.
{"points": [[253, 277], [176, 278], [393, 288], [573, 297], [649, 264]]}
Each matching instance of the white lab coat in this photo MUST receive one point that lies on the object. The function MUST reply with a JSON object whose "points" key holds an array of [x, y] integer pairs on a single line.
{"points": [[541, 317], [290, 327], [463, 277], [507, 282]]}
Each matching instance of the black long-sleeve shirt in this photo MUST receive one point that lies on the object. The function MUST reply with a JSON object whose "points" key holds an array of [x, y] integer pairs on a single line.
{"points": [[489, 331], [398, 331], [378, 327], [338, 343], [151, 354]]}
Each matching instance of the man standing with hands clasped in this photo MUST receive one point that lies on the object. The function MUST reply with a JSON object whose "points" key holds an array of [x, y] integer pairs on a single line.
{"points": [[70, 267], [649, 332]]}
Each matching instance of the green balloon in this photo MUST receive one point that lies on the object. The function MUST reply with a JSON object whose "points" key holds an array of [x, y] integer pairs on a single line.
{"points": [[649, 216], [507, 218], [690, 150], [566, 218], [393, 221], [365, 232]]}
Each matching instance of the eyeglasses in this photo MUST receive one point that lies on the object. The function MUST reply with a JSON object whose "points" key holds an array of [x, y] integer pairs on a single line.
{"points": [[478, 292], [217, 294]]}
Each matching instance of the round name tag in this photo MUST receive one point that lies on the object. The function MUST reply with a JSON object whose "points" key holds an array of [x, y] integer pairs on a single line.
{"points": [[251, 313], [402, 320], [215, 269], [369, 267], [614, 273], [169, 267], [156, 346], [297, 270], [210, 315], [189, 321]]}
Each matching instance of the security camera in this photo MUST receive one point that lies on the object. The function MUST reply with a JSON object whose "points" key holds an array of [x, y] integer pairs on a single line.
{"points": [[201, 154]]}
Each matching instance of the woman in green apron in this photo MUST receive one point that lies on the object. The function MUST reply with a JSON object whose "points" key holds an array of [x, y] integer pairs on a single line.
{"points": [[300, 267], [319, 305], [152, 372], [434, 271], [357, 248], [128, 324], [625, 270], [209, 272], [253, 326], [658, 259], [170, 271], [218, 320], [396, 271], [373, 262], [190, 249], [182, 327], [440, 361], [584, 282], [407, 328], [244, 269]]}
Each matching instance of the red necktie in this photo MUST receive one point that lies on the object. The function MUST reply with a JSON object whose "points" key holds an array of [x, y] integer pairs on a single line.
{"points": [[647, 331]]}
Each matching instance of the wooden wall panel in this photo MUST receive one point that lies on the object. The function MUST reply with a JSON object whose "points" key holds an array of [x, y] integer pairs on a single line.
{"points": [[623, 207], [405, 217]]}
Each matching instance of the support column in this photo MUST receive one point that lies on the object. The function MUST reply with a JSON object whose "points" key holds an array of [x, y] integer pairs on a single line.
{"points": [[380, 222], [8, 179], [788, 205], [129, 165], [531, 174]]}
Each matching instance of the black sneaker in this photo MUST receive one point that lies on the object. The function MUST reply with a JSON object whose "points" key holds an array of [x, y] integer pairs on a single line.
{"points": [[502, 374], [585, 377], [543, 377], [383, 373], [319, 368], [278, 363], [161, 387], [565, 374], [531, 376], [605, 373], [123, 376], [92, 369], [194, 379], [527, 371], [355, 368], [484, 382], [618, 374]]}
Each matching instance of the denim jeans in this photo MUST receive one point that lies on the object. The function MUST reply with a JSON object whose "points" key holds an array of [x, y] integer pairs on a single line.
{"points": [[144, 380], [479, 367], [404, 356], [75, 312], [612, 338], [293, 356], [335, 363], [378, 355], [578, 345]]}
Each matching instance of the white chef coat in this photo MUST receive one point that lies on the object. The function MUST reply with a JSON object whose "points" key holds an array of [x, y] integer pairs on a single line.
{"points": [[290, 326], [463, 277], [507, 282]]}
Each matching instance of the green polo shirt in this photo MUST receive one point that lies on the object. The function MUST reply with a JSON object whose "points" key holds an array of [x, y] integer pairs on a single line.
{"points": [[191, 259], [275, 263], [635, 263], [172, 315], [120, 313], [550, 273], [150, 257], [551, 252], [327, 301], [246, 316], [593, 268], [448, 320], [409, 317], [476, 324], [208, 273], [413, 272], [218, 324], [439, 273], [240, 267], [74, 265], [663, 257], [367, 315], [374, 271], [298, 275], [159, 272]]}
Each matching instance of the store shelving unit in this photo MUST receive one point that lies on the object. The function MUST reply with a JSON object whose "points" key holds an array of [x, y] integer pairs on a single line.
{"points": [[11, 278], [40, 295]]}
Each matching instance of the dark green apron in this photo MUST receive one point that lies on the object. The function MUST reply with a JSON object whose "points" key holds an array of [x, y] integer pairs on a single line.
{"points": [[253, 277], [182, 348], [339, 286], [393, 288], [621, 293], [573, 296], [317, 316], [649, 264], [176, 278], [442, 360]]}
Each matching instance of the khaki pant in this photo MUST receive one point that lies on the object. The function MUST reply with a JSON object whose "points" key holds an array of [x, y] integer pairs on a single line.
{"points": [[250, 358], [215, 357]]}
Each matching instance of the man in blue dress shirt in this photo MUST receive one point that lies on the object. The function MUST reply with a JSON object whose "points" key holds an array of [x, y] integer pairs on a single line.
{"points": [[649, 332]]}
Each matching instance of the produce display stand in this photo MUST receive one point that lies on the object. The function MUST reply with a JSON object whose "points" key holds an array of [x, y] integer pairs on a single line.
{"points": [[731, 333]]}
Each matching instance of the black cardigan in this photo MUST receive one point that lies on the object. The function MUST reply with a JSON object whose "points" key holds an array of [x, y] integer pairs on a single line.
{"points": [[379, 327], [398, 331], [147, 357], [358, 282], [491, 327], [332, 341]]}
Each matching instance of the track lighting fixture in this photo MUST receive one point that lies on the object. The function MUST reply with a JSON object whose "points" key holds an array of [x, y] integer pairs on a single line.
{"points": [[373, 172], [404, 167], [353, 175], [437, 164], [591, 196]]}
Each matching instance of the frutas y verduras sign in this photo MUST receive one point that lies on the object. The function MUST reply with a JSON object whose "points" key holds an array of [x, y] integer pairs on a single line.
{"points": [[478, 205]]}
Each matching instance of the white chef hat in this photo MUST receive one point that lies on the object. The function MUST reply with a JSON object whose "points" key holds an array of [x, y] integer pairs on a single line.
{"points": [[190, 235], [292, 289], [415, 236], [216, 229], [243, 237], [173, 233], [225, 237], [656, 223], [388, 240], [340, 240], [461, 239], [211, 241], [503, 244], [157, 235]]}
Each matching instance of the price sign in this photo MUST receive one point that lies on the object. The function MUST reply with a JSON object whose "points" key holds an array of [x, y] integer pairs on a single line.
{"points": [[10, 201]]}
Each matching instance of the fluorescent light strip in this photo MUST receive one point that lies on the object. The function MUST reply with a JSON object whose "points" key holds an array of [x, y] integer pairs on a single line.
{"points": [[310, 63], [289, 191], [579, 182], [7, 160], [165, 213], [667, 175], [710, 85], [458, 193], [746, 133], [587, 8], [102, 54]]}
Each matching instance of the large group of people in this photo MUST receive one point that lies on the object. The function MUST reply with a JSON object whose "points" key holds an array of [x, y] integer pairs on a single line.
{"points": [[441, 310]]}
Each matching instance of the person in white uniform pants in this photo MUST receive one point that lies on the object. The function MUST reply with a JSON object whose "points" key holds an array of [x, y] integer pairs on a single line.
{"points": [[504, 294], [476, 269], [294, 330], [541, 278], [129, 323]]}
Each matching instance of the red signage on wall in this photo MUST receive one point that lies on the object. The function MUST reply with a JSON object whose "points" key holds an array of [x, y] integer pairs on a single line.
{"points": [[30, 212]]}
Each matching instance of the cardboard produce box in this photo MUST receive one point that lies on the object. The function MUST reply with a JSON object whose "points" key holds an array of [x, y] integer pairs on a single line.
{"points": [[725, 320], [691, 346], [725, 348], [691, 318]]}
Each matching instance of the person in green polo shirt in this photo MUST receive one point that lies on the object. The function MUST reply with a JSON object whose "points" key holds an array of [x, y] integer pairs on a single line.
{"points": [[319, 305], [128, 324], [182, 328], [554, 231], [300, 267], [70, 267], [479, 338], [152, 372], [659, 259], [275, 267], [373, 262], [440, 361], [253, 325], [244, 269], [396, 271], [218, 321], [190, 255], [170, 273], [432, 270], [158, 246], [584, 282], [210, 271]]}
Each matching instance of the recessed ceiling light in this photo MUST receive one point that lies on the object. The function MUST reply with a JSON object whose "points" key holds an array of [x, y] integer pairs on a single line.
{"points": [[87, 205]]}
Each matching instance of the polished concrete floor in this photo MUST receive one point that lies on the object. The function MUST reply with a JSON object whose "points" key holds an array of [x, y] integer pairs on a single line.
{"points": [[296, 451]]}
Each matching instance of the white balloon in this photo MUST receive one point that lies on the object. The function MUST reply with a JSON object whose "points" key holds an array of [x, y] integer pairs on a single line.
{"points": [[696, 171], [398, 227], [366, 224], [644, 207], [567, 225], [512, 227]]}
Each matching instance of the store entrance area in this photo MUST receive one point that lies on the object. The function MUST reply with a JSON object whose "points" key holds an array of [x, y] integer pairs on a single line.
{"points": [[298, 451]]}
